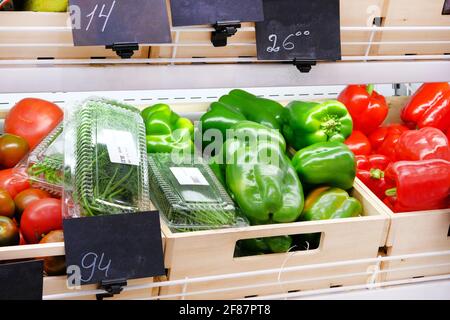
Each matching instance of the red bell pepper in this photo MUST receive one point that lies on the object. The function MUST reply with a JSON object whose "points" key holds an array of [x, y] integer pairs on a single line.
{"points": [[424, 144], [366, 106], [384, 139], [420, 185], [370, 170], [429, 107], [359, 143]]}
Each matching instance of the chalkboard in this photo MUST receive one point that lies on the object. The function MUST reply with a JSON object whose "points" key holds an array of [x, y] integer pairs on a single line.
{"points": [[196, 12], [21, 280], [446, 9], [299, 29], [110, 247], [106, 22]]}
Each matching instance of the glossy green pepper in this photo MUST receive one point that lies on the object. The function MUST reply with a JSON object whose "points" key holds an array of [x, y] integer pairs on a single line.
{"points": [[326, 163], [277, 244], [330, 203], [306, 123], [238, 106], [259, 175], [167, 131]]}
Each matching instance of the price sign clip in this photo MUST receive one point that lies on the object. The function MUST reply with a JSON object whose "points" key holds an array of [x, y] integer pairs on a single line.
{"points": [[224, 30], [112, 287], [304, 66], [125, 50]]}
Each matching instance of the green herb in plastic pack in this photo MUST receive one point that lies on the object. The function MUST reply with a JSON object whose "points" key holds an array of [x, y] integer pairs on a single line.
{"points": [[107, 160], [44, 165], [188, 194]]}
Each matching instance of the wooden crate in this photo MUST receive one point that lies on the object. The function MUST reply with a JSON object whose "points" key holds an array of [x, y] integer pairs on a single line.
{"points": [[413, 232], [207, 253], [354, 13]]}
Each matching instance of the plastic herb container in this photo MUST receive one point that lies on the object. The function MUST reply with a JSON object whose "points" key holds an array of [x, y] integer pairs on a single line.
{"points": [[105, 159], [189, 196]]}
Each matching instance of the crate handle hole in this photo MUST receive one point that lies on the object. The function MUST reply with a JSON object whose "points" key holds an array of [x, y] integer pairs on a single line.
{"points": [[272, 245]]}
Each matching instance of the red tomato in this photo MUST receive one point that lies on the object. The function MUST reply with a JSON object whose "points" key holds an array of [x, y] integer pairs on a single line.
{"points": [[12, 149], [13, 181], [39, 218], [33, 119], [27, 197], [22, 241], [9, 233], [7, 207], [359, 143]]}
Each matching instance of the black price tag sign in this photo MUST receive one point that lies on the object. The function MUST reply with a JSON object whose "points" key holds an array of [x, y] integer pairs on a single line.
{"points": [[106, 22], [446, 9], [123, 246], [21, 280], [196, 12], [299, 29]]}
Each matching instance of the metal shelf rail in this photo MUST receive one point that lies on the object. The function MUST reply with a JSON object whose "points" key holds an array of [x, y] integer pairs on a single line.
{"points": [[374, 274]]}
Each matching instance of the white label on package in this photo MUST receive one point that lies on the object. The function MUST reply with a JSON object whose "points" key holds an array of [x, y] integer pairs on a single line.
{"points": [[189, 176], [121, 147]]}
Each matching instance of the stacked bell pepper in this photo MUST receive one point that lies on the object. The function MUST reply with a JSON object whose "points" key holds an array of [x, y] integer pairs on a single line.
{"points": [[253, 161], [409, 164]]}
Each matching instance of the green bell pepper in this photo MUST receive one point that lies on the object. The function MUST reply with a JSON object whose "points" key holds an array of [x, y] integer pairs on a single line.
{"points": [[306, 123], [330, 203], [238, 106], [259, 175], [277, 244], [167, 131], [327, 163]]}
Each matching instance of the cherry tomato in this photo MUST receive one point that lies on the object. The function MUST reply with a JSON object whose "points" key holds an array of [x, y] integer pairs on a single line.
{"points": [[39, 218], [12, 149], [33, 119], [9, 233], [13, 181], [54, 266], [27, 197], [7, 207]]}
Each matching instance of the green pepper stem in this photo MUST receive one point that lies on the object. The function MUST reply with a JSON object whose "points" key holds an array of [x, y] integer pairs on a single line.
{"points": [[376, 174], [391, 192], [370, 88]]}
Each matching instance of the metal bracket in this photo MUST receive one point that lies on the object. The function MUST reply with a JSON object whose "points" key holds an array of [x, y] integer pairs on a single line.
{"points": [[304, 66], [125, 50], [224, 30], [112, 287]]}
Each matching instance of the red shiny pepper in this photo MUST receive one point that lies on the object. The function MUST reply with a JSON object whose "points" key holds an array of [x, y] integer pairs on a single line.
{"points": [[424, 144], [420, 185], [366, 106], [384, 139], [429, 107], [370, 170], [359, 143]]}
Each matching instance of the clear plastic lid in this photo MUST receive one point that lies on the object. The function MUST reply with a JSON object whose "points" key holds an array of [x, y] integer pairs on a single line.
{"points": [[44, 165], [105, 159], [189, 196]]}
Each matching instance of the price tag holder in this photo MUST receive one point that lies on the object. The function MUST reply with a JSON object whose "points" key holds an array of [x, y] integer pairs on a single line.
{"points": [[109, 22], [21, 280], [301, 30], [197, 12], [104, 249]]}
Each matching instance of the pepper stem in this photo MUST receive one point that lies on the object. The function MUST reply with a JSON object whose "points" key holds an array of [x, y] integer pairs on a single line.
{"points": [[376, 174], [370, 88], [391, 192]]}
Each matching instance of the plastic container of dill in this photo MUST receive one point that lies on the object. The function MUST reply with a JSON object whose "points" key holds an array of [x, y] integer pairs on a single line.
{"points": [[44, 165], [105, 160], [188, 195]]}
